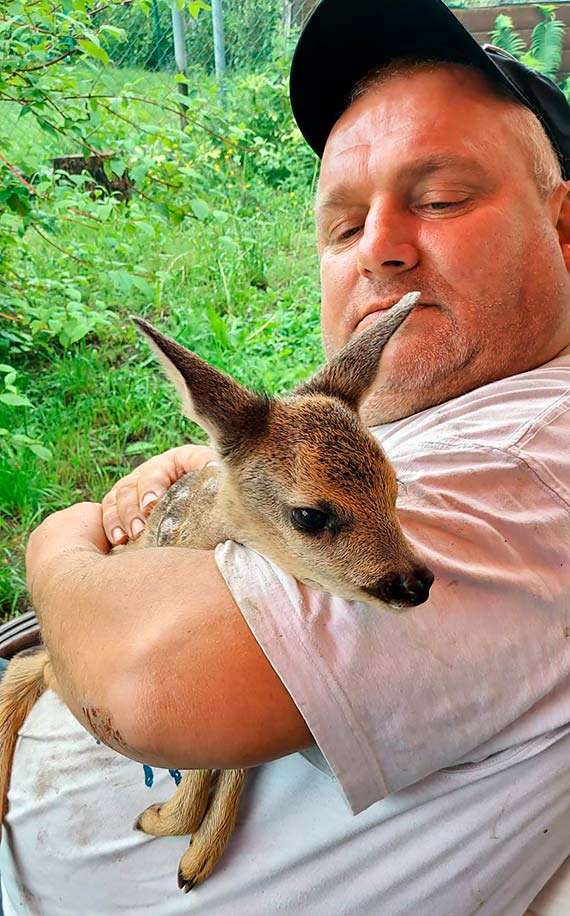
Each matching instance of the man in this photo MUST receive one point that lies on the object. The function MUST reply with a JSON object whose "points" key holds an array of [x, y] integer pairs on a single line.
{"points": [[446, 731]]}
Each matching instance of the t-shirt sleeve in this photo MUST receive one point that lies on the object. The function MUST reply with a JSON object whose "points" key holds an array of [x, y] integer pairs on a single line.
{"points": [[391, 698]]}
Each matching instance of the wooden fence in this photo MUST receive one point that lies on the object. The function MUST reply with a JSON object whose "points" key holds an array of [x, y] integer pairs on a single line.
{"points": [[481, 23]]}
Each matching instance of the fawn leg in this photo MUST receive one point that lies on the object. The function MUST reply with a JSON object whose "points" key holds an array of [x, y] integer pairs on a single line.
{"points": [[211, 838], [184, 812]]}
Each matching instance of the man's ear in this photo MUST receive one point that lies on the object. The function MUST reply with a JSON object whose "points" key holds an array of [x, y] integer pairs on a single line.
{"points": [[560, 202]]}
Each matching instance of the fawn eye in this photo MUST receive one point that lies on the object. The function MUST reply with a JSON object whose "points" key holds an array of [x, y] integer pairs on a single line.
{"points": [[313, 521]]}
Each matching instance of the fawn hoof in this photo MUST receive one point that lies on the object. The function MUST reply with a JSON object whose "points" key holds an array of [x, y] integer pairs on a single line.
{"points": [[196, 865], [183, 884], [149, 821], [158, 820]]}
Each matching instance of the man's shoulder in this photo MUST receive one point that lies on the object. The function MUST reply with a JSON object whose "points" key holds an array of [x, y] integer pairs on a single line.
{"points": [[511, 415]]}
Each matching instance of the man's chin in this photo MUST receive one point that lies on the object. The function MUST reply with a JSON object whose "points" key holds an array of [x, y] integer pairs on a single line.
{"points": [[406, 388], [386, 407]]}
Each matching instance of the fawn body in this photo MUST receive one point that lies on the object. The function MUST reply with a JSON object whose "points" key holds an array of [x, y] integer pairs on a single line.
{"points": [[301, 480]]}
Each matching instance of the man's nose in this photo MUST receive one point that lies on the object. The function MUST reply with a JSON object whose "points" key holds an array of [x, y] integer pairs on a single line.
{"points": [[386, 246]]}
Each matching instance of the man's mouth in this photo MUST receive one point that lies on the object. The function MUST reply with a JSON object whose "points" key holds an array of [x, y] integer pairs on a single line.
{"points": [[375, 312]]}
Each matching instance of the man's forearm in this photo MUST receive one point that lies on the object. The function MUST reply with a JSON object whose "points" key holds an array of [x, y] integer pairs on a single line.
{"points": [[102, 617], [98, 615], [151, 652]]}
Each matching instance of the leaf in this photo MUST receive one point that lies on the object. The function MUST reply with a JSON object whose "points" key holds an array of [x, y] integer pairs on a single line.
{"points": [[18, 204], [146, 229], [138, 173], [19, 438], [144, 286], [92, 50], [219, 328], [546, 43], [121, 280], [119, 167], [200, 208], [228, 244], [74, 329], [114, 32], [45, 125], [195, 7], [505, 37], [15, 400], [40, 450], [139, 448]]}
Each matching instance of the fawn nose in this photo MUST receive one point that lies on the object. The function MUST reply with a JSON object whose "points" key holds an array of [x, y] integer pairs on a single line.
{"points": [[404, 589]]}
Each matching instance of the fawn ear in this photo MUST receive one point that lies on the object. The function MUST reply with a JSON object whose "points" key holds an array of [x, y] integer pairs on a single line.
{"points": [[230, 414], [351, 373]]}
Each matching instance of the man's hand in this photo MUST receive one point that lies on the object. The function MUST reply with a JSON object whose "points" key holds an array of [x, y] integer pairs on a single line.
{"points": [[126, 506]]}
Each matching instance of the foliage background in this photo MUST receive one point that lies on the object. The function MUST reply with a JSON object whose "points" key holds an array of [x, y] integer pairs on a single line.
{"points": [[215, 244]]}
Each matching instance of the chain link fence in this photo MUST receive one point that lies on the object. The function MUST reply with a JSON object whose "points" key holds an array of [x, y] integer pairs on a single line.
{"points": [[218, 37]]}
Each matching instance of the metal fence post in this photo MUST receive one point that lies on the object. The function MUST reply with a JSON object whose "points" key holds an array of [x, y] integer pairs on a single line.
{"points": [[179, 34], [219, 45], [157, 35]]}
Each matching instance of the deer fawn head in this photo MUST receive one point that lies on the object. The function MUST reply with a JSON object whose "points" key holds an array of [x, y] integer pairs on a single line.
{"points": [[302, 479]]}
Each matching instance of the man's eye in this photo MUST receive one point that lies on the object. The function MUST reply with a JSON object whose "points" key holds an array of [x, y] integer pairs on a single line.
{"points": [[340, 234], [310, 521], [437, 206]]}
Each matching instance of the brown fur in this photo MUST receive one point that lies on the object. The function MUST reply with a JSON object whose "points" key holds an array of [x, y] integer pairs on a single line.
{"points": [[23, 683], [308, 450]]}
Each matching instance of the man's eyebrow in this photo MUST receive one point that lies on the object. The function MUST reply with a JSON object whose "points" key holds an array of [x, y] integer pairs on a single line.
{"points": [[436, 162], [342, 194], [337, 197]]}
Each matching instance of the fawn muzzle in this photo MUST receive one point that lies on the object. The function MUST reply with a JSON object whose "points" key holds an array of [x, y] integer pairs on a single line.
{"points": [[403, 589]]}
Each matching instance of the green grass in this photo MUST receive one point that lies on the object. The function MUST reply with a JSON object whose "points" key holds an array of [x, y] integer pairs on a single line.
{"points": [[243, 293]]}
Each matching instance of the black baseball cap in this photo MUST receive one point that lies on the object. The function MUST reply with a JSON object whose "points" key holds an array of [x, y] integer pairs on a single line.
{"points": [[343, 40]]}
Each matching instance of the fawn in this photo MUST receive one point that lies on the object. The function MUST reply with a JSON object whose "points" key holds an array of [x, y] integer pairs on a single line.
{"points": [[301, 480]]}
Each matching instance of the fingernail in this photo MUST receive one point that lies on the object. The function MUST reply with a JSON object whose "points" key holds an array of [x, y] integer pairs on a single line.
{"points": [[149, 498], [213, 464], [117, 534], [137, 526]]}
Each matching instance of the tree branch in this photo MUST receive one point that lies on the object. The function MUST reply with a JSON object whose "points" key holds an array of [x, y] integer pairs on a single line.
{"points": [[47, 63], [176, 111], [53, 244], [17, 174]]}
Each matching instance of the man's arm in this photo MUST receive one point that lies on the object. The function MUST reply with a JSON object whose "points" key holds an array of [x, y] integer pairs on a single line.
{"points": [[151, 652]]}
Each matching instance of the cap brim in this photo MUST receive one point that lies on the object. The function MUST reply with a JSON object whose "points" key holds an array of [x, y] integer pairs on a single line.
{"points": [[343, 41]]}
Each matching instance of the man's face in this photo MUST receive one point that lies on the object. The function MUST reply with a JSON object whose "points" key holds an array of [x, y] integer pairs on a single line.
{"points": [[426, 186]]}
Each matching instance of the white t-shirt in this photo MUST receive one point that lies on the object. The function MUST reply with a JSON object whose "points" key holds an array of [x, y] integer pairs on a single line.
{"points": [[440, 783]]}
